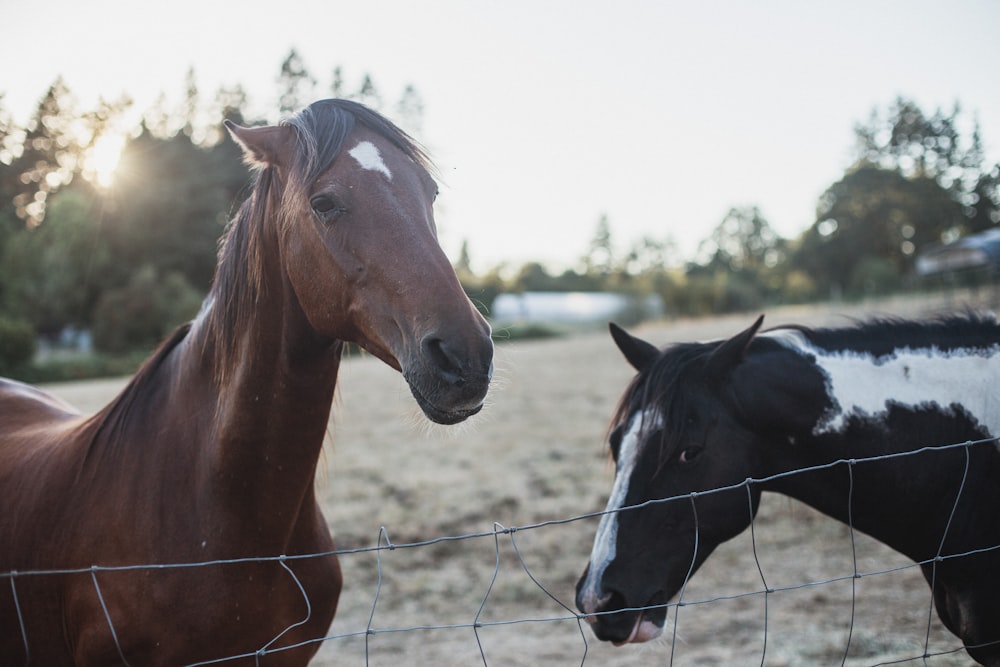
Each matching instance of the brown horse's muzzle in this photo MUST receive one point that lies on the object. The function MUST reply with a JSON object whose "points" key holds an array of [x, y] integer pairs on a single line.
{"points": [[451, 376]]}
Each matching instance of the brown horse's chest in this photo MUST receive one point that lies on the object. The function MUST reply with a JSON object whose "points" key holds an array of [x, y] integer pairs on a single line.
{"points": [[208, 612]]}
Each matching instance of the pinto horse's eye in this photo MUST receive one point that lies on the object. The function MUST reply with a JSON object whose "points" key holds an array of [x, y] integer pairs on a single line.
{"points": [[326, 207], [689, 455]]}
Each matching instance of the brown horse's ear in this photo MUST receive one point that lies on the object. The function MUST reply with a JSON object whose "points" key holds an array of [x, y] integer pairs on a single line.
{"points": [[638, 352], [731, 353], [262, 146]]}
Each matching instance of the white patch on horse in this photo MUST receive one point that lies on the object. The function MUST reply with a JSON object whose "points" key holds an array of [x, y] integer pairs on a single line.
{"points": [[862, 384], [605, 542], [368, 156]]}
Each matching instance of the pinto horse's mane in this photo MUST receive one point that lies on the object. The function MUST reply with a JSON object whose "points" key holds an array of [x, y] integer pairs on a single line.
{"points": [[881, 336], [661, 384], [320, 131]]}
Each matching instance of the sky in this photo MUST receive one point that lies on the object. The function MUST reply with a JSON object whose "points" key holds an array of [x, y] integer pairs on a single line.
{"points": [[542, 115]]}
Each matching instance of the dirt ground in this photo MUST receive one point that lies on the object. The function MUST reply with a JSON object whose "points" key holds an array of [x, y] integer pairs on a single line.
{"points": [[536, 454]]}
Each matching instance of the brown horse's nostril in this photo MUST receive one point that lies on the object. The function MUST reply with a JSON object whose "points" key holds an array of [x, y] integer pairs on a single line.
{"points": [[445, 362]]}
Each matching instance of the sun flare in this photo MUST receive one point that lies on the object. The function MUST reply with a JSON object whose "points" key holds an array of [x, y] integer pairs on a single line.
{"points": [[102, 158]]}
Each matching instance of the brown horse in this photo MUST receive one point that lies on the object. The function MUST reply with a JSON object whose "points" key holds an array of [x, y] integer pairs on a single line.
{"points": [[211, 450]]}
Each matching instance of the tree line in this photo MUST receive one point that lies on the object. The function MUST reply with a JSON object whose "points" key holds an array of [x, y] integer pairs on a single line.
{"points": [[916, 179], [127, 261]]}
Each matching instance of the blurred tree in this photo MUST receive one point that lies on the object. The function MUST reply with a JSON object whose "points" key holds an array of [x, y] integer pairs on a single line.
{"points": [[140, 314], [337, 82], [906, 140], [649, 255], [10, 147], [368, 94], [53, 274], [463, 267], [744, 242], [873, 214], [17, 345], [296, 86], [191, 104], [174, 226], [534, 277], [48, 154], [229, 104], [600, 257], [410, 111]]}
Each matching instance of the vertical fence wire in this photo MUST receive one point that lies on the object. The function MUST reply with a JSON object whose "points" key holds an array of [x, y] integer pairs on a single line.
{"points": [[938, 556], [20, 620], [111, 625], [760, 568], [854, 558]]}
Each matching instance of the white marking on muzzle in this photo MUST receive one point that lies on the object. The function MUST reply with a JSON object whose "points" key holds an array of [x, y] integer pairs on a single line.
{"points": [[605, 542], [368, 156]]}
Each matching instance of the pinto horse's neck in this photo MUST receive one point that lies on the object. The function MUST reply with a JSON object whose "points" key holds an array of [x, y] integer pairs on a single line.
{"points": [[888, 405]]}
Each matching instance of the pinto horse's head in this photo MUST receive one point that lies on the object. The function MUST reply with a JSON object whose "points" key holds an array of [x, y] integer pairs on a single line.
{"points": [[676, 432], [358, 246]]}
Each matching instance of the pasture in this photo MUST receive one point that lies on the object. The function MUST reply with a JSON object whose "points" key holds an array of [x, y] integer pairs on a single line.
{"points": [[536, 453]]}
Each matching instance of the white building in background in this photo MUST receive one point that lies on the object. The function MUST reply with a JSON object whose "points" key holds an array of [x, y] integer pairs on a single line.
{"points": [[578, 308]]}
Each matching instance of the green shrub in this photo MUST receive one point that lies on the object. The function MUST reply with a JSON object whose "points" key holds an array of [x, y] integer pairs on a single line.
{"points": [[17, 344], [141, 314]]}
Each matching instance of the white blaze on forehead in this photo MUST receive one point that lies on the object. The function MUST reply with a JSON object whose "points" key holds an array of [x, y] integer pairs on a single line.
{"points": [[368, 156], [605, 542], [863, 384]]}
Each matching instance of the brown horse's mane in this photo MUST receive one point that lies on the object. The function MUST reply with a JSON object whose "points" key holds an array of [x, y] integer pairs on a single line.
{"points": [[320, 131], [107, 423], [230, 307]]}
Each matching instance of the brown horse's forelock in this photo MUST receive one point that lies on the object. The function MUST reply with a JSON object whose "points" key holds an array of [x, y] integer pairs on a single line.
{"points": [[321, 130]]}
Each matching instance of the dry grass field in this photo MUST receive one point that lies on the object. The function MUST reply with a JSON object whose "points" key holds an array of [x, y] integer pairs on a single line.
{"points": [[536, 454]]}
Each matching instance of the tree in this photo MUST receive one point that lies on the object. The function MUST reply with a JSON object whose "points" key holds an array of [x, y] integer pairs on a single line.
{"points": [[650, 255], [53, 274], [295, 84], [744, 242], [600, 257], [368, 93], [410, 110], [140, 314], [872, 221], [48, 154], [174, 226], [910, 142]]}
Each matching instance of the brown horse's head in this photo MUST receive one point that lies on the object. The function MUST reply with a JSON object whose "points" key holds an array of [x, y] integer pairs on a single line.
{"points": [[359, 249]]}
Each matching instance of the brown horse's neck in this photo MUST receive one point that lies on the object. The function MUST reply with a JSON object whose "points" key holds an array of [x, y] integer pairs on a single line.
{"points": [[258, 377], [269, 413]]}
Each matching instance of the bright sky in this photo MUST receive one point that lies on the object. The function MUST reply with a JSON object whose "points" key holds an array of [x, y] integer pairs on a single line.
{"points": [[544, 115]]}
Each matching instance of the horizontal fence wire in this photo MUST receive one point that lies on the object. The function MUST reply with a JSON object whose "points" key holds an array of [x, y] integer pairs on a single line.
{"points": [[499, 532]]}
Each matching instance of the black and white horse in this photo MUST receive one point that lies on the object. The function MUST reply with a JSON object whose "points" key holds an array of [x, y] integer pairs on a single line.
{"points": [[706, 416]]}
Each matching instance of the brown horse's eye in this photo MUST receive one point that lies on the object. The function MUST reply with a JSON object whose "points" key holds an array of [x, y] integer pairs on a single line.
{"points": [[326, 207]]}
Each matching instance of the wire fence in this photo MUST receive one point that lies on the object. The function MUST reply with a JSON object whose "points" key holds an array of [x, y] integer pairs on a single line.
{"points": [[501, 535]]}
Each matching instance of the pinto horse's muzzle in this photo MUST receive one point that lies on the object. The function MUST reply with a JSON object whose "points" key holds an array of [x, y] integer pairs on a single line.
{"points": [[615, 619]]}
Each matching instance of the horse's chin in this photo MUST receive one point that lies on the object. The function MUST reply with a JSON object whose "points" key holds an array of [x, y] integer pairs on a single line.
{"points": [[440, 415], [643, 631]]}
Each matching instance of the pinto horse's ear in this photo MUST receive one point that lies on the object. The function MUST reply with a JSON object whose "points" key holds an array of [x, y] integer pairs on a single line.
{"points": [[730, 353], [262, 146], [638, 352]]}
